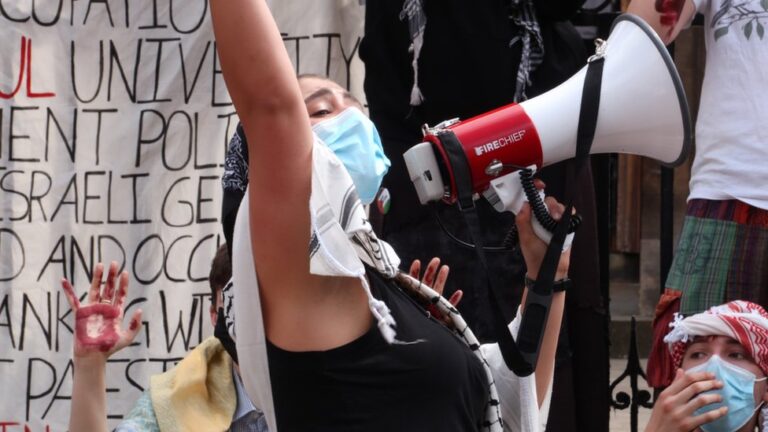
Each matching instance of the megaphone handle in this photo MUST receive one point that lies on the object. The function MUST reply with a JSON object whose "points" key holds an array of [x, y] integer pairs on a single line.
{"points": [[536, 199], [546, 235]]}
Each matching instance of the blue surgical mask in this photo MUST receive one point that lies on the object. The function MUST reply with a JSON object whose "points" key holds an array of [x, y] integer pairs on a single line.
{"points": [[737, 392], [354, 140]]}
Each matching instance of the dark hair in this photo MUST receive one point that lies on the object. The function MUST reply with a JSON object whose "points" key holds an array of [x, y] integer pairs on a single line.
{"points": [[221, 271]]}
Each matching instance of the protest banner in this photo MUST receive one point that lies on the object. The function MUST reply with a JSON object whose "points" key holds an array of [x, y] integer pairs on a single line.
{"points": [[114, 122]]}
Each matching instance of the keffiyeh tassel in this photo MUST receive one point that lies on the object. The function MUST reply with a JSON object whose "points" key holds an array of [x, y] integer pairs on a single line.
{"points": [[413, 11], [381, 312], [523, 15], [679, 332]]}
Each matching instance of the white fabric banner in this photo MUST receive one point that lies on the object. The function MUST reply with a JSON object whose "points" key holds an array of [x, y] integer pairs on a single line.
{"points": [[323, 37], [114, 120]]}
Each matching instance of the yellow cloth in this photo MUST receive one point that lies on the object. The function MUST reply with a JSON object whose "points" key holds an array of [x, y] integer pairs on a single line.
{"points": [[198, 394]]}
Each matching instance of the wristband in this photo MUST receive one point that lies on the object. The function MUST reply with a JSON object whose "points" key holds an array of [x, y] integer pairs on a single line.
{"points": [[557, 286]]}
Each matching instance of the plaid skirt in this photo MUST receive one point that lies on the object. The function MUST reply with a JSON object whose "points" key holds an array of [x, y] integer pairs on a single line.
{"points": [[722, 255]]}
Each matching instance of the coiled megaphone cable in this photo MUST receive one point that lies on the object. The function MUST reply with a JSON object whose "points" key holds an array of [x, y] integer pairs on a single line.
{"points": [[505, 246], [538, 207]]}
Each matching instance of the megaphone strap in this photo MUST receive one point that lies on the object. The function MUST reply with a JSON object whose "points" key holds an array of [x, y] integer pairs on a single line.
{"points": [[521, 356], [462, 173], [590, 107], [510, 352]]}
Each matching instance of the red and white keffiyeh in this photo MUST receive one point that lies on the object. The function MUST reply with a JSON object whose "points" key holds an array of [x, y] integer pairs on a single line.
{"points": [[743, 321]]}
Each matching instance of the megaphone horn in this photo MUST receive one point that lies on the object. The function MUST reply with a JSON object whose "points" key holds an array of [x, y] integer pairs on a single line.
{"points": [[642, 111]]}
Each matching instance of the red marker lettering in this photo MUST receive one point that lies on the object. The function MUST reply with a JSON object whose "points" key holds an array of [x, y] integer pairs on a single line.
{"points": [[22, 62], [25, 68]]}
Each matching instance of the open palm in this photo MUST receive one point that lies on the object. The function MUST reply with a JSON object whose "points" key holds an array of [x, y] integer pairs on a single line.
{"points": [[98, 324]]}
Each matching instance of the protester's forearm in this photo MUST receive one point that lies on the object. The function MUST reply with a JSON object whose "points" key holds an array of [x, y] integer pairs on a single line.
{"points": [[262, 83], [256, 66], [88, 412], [545, 367], [666, 17]]}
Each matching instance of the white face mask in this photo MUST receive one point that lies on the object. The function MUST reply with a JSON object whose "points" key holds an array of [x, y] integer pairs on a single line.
{"points": [[738, 394]]}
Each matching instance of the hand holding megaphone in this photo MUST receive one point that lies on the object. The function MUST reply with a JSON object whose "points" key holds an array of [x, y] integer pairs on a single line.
{"points": [[532, 247], [512, 191]]}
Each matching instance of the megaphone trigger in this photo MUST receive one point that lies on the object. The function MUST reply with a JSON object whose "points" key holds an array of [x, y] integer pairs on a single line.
{"points": [[510, 192]]}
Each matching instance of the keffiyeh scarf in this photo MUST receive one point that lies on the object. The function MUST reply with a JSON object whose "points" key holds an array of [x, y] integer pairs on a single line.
{"points": [[342, 243], [522, 14], [743, 321], [234, 182]]}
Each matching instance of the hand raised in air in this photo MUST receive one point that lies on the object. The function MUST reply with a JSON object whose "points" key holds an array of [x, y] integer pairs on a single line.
{"points": [[98, 324]]}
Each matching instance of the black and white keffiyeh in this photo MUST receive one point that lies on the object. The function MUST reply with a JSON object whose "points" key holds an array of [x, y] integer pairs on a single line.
{"points": [[521, 12], [493, 421], [235, 177], [234, 182], [342, 239], [413, 11]]}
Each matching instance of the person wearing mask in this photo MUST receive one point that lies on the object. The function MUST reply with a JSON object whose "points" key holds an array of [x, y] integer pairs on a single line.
{"points": [[428, 61], [721, 361], [169, 404], [203, 392], [326, 337]]}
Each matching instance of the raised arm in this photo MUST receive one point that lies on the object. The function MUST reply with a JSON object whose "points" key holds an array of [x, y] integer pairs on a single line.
{"points": [[268, 99], [98, 334], [263, 86], [667, 17]]}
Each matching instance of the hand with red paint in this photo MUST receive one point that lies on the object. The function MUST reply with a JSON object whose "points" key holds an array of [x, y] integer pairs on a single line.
{"points": [[669, 11], [98, 324], [666, 17], [435, 277]]}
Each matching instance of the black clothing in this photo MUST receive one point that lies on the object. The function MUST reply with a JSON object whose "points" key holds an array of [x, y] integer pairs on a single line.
{"points": [[429, 382], [467, 67], [461, 39]]}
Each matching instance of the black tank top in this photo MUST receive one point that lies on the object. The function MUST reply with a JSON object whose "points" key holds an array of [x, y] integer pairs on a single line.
{"points": [[430, 381]]}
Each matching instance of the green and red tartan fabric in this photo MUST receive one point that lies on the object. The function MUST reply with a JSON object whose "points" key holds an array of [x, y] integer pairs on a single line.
{"points": [[722, 256]]}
